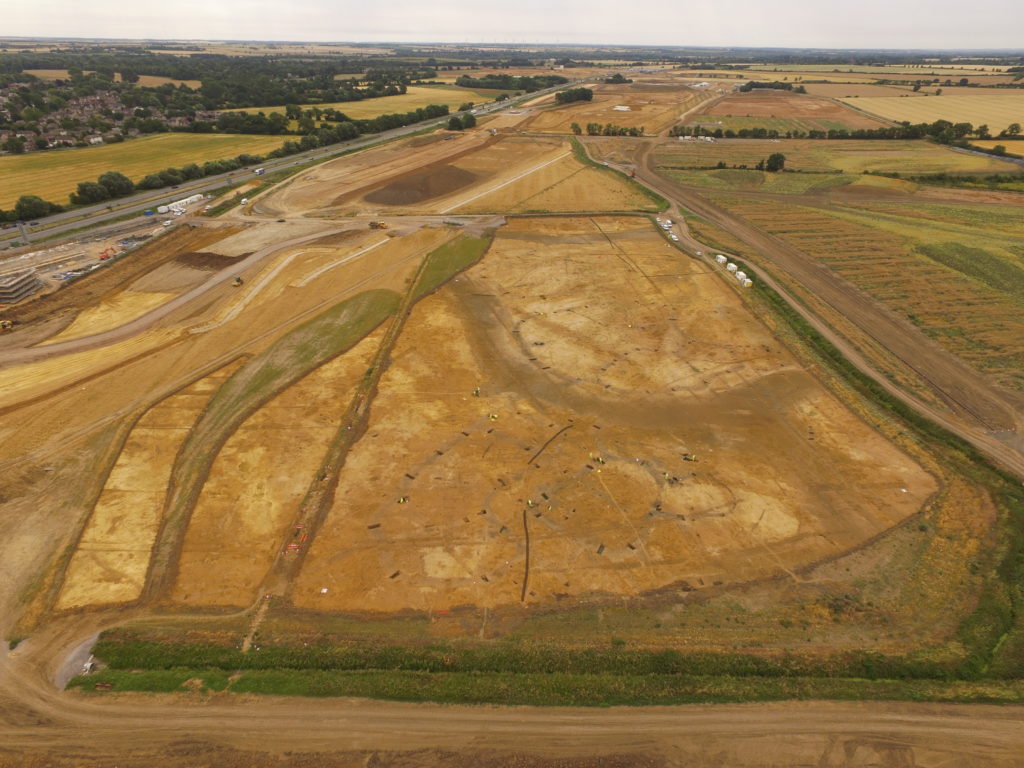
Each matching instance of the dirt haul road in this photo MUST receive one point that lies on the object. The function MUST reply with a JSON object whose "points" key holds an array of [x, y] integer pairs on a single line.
{"points": [[40, 726], [979, 409]]}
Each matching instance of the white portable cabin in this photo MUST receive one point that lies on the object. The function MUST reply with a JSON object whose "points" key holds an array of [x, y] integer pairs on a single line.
{"points": [[731, 267], [741, 276], [720, 259]]}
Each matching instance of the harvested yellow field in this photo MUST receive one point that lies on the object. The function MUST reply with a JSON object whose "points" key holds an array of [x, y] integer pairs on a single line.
{"points": [[857, 90], [54, 175], [415, 97], [997, 112], [110, 563], [111, 313], [1012, 147]]}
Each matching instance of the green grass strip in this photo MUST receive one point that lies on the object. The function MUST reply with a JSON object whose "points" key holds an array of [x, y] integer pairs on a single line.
{"points": [[555, 689]]}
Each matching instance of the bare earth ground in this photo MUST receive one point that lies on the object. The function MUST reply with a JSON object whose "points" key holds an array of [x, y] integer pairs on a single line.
{"points": [[653, 107], [604, 358], [626, 376]]}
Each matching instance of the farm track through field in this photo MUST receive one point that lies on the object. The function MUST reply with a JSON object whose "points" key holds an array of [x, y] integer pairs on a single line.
{"points": [[978, 408]]}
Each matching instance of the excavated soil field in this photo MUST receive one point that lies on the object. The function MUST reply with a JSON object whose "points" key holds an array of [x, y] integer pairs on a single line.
{"points": [[654, 108], [534, 437], [425, 185], [322, 189], [259, 478], [110, 562], [513, 174]]}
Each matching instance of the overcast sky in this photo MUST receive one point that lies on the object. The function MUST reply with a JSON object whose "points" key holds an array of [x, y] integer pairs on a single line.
{"points": [[784, 23]]}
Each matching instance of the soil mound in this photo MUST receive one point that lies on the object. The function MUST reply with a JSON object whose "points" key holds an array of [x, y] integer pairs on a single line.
{"points": [[210, 262], [425, 185]]}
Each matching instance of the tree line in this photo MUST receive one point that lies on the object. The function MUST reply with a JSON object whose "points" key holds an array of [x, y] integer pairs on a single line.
{"points": [[608, 129], [574, 94], [503, 82], [941, 131]]}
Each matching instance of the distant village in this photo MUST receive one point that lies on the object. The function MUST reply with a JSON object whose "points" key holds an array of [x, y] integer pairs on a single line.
{"points": [[33, 121]]}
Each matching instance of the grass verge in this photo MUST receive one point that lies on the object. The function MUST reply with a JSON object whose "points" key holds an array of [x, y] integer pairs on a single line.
{"points": [[555, 689]]}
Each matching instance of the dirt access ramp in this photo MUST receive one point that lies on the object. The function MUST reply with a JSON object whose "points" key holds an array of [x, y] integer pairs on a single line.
{"points": [[541, 435]]}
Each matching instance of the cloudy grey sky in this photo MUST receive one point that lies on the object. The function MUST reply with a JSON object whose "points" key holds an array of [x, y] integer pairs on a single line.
{"points": [[786, 23]]}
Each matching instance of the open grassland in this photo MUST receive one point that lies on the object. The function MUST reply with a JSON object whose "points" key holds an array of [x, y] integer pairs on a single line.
{"points": [[995, 111], [415, 97], [55, 174], [951, 270], [822, 156], [782, 111]]}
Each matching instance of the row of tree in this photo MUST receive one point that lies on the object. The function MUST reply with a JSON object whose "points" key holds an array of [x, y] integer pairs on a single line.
{"points": [[775, 85], [941, 131], [574, 94], [505, 82], [460, 122], [608, 129]]}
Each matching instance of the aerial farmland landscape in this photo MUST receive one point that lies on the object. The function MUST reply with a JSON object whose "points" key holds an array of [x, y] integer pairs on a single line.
{"points": [[616, 399]]}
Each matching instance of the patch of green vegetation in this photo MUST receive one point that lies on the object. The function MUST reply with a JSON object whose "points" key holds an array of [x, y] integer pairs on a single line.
{"points": [[995, 272], [580, 153], [996, 623], [751, 179], [555, 688], [450, 259]]}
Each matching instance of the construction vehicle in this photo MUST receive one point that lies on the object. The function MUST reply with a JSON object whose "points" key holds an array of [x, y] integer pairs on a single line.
{"points": [[237, 282], [378, 225], [6, 325]]}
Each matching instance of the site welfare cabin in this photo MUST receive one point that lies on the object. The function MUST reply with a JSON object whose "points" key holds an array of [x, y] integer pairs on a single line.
{"points": [[720, 259], [731, 267], [741, 276]]}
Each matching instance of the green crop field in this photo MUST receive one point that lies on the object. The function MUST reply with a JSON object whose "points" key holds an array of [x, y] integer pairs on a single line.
{"points": [[995, 111], [55, 174], [415, 97], [953, 270]]}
